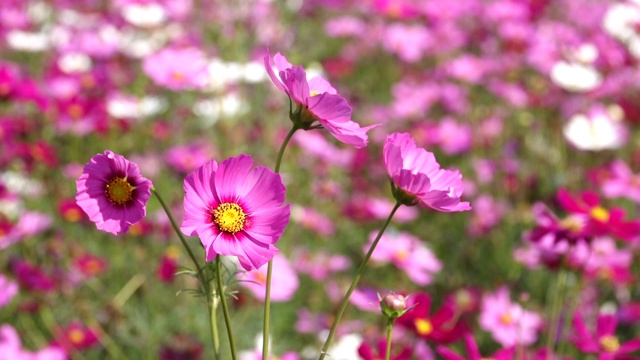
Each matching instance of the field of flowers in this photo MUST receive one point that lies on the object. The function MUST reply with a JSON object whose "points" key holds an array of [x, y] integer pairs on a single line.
{"points": [[321, 179]]}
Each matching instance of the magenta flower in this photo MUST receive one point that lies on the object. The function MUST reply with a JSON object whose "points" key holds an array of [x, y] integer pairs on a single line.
{"points": [[236, 210], [316, 100], [112, 192], [417, 177], [603, 342], [473, 353]]}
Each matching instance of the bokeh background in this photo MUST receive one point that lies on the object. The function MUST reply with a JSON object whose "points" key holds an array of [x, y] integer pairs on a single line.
{"points": [[527, 98]]}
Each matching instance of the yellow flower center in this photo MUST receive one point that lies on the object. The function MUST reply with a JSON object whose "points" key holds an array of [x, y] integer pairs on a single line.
{"points": [[599, 213], [229, 217], [506, 319], [172, 252], [92, 266], [401, 255], [76, 336], [75, 111], [610, 343], [177, 76], [73, 215], [423, 326], [571, 224], [119, 191], [314, 93]]}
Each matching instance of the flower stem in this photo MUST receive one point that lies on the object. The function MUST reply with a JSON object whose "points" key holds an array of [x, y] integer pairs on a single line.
{"points": [[354, 283], [389, 329], [177, 229], [214, 327], [225, 309], [267, 294], [203, 280], [558, 299]]}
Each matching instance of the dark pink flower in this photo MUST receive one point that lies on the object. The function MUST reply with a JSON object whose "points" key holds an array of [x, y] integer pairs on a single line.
{"points": [[316, 100], [236, 210], [601, 221], [603, 341], [76, 337], [473, 353], [417, 177], [112, 192], [367, 352]]}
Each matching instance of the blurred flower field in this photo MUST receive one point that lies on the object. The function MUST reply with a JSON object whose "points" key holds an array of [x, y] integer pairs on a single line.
{"points": [[444, 179]]}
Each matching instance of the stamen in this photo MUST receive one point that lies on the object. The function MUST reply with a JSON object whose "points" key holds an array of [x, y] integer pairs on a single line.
{"points": [[229, 217], [119, 191]]}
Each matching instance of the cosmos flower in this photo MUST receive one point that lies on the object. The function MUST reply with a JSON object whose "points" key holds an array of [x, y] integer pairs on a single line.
{"points": [[407, 253], [603, 340], [236, 210], [508, 322], [417, 177], [177, 69], [316, 100], [112, 192], [284, 282]]}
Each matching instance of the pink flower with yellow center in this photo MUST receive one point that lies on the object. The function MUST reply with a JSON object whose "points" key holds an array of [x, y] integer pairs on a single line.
{"points": [[112, 192], [602, 340], [508, 322], [177, 69], [236, 210]]}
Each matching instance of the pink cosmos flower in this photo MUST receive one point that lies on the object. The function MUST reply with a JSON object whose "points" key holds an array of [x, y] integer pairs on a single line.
{"points": [[603, 341], [177, 69], [236, 210], [623, 183], [473, 353], [8, 289], [112, 192], [284, 282], [508, 322], [11, 347], [317, 100], [417, 176], [407, 253]]}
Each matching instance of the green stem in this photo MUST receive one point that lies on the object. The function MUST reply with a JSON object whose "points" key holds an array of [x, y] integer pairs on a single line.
{"points": [[177, 230], [389, 329], [561, 281], [214, 327], [267, 294], [354, 283], [201, 276], [225, 309]]}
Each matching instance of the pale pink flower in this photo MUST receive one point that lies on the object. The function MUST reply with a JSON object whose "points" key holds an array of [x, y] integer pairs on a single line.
{"points": [[177, 69], [408, 254], [508, 322], [622, 183], [284, 281]]}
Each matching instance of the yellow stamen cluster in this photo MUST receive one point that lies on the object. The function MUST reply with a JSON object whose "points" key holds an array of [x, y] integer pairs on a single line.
{"points": [[76, 336], [119, 191], [600, 214], [506, 318], [610, 343], [423, 326], [229, 217]]}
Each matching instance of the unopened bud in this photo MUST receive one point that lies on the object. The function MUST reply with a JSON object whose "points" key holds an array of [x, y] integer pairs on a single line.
{"points": [[393, 305]]}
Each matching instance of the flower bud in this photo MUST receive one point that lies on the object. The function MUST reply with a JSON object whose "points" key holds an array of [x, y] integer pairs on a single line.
{"points": [[393, 305]]}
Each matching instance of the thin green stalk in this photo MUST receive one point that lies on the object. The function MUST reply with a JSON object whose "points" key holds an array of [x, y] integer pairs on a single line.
{"points": [[389, 329], [177, 229], [561, 281], [203, 280], [214, 327], [225, 309], [354, 283], [267, 295]]}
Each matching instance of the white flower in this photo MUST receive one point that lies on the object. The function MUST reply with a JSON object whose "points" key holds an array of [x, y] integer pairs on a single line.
{"points": [[599, 130], [575, 76]]}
